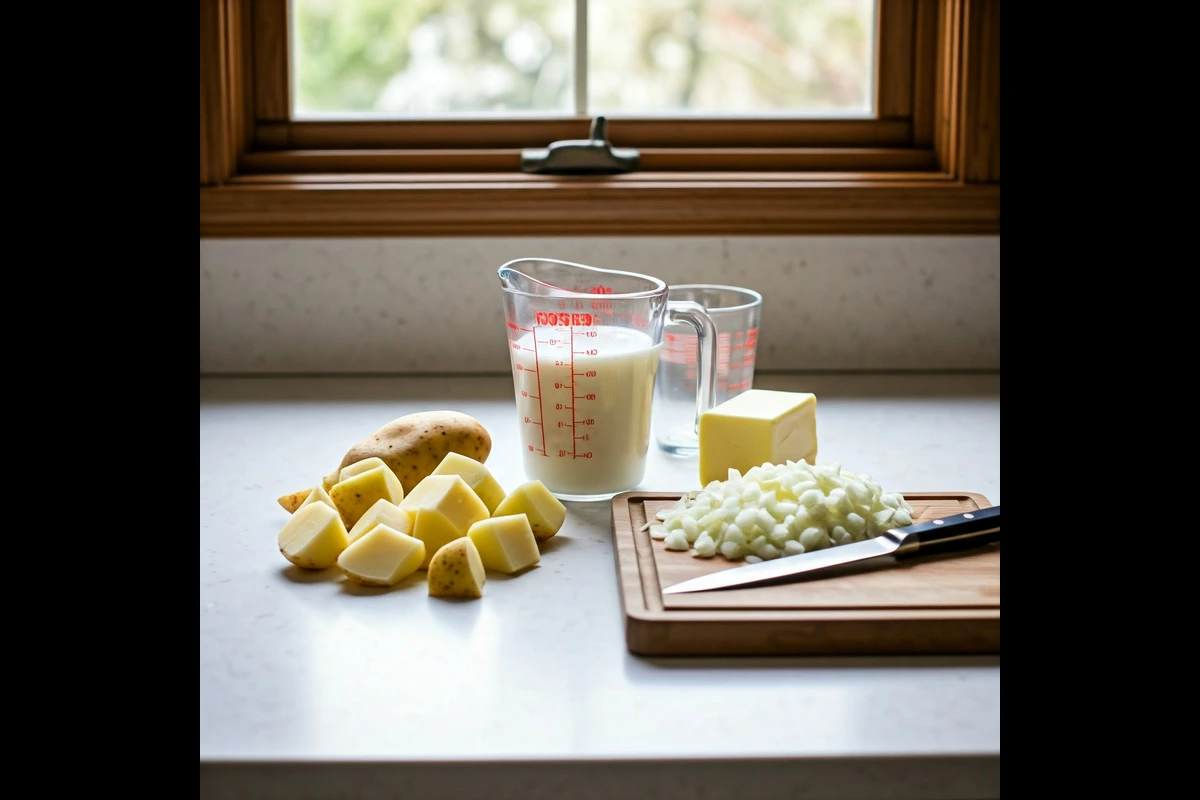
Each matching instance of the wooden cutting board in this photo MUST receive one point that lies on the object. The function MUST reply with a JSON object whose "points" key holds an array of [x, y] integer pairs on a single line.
{"points": [[930, 605]]}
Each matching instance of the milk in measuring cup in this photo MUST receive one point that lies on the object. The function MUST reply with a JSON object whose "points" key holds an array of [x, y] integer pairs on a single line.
{"points": [[584, 398]]}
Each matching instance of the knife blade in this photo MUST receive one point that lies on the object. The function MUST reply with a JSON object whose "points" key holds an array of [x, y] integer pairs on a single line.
{"points": [[969, 529]]}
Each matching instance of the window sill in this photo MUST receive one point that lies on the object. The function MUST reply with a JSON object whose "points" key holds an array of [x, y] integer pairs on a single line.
{"points": [[696, 204]]}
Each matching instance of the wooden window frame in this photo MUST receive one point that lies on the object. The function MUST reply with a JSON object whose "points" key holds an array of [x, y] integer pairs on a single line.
{"points": [[928, 164]]}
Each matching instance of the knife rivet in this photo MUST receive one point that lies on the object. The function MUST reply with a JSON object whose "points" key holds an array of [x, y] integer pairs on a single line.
{"points": [[969, 516], [938, 522]]}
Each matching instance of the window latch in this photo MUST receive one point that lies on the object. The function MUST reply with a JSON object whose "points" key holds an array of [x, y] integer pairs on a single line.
{"points": [[591, 156]]}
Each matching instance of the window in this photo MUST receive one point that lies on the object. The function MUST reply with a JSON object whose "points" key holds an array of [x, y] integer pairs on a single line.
{"points": [[397, 58], [892, 127]]}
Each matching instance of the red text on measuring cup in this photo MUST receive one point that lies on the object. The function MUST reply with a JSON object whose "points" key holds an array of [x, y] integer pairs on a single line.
{"points": [[563, 318]]}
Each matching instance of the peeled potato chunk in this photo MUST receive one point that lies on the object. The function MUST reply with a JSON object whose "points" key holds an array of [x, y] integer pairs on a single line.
{"points": [[456, 570], [383, 556], [313, 537], [330, 479], [443, 509], [383, 512], [533, 499], [319, 495], [359, 467], [505, 544], [477, 476], [355, 495]]}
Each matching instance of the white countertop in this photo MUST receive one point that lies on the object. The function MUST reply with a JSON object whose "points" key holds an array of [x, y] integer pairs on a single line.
{"points": [[534, 680]]}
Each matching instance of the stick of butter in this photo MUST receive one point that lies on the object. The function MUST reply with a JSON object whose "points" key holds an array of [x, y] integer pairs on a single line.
{"points": [[756, 427]]}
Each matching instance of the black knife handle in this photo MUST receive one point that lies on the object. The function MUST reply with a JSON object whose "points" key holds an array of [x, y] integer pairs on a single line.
{"points": [[969, 529]]}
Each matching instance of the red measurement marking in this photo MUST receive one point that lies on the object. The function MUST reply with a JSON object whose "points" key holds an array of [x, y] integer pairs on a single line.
{"points": [[541, 411], [573, 445]]}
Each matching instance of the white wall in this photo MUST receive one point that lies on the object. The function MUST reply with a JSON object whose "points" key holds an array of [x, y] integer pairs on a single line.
{"points": [[434, 305]]}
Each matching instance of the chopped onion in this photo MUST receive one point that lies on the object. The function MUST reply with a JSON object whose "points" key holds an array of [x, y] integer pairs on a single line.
{"points": [[705, 547], [676, 540], [780, 510]]}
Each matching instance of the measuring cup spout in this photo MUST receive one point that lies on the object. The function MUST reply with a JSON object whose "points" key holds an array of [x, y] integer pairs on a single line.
{"points": [[547, 277]]}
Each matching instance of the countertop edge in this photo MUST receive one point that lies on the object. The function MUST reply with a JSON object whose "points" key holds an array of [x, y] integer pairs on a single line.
{"points": [[895, 777]]}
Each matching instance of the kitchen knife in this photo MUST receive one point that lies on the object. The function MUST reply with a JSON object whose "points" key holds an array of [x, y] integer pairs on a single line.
{"points": [[972, 529]]}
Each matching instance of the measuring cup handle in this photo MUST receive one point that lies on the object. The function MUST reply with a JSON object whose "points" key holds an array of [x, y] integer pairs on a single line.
{"points": [[694, 314]]}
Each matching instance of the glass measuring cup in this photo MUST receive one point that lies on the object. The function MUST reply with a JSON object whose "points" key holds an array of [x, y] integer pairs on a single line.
{"points": [[736, 312], [584, 344]]}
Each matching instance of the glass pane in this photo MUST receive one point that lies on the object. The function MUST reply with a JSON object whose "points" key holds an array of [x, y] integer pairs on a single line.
{"points": [[392, 58], [732, 56]]}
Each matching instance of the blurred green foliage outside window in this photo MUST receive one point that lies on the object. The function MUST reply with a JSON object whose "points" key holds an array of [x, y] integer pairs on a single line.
{"points": [[400, 58]]}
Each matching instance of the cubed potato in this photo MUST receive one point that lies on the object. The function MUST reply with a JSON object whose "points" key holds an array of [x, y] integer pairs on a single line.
{"points": [[319, 495], [456, 570], [355, 495], [477, 476], [505, 544], [533, 499], [383, 512], [331, 478], [443, 508], [383, 556], [313, 537], [359, 467]]}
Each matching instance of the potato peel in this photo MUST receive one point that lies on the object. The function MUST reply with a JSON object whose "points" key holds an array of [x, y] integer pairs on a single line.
{"points": [[291, 502]]}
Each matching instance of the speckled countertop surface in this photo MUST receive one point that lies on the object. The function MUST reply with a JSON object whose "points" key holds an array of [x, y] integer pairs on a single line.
{"points": [[310, 688]]}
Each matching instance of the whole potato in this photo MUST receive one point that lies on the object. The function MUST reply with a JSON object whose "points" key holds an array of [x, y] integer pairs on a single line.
{"points": [[415, 444]]}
